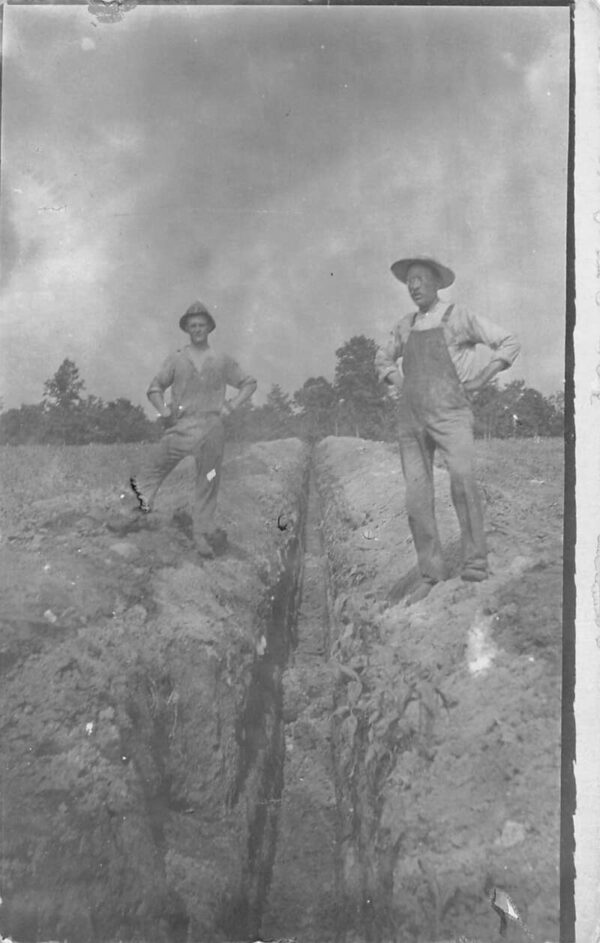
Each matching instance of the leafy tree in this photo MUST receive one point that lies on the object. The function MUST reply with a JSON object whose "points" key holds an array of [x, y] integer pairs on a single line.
{"points": [[276, 419], [240, 424], [356, 403], [316, 401], [279, 401], [557, 400], [360, 392], [509, 423], [487, 409], [64, 388], [534, 414], [64, 417], [516, 410], [557, 423], [62, 400], [121, 421], [22, 426]]}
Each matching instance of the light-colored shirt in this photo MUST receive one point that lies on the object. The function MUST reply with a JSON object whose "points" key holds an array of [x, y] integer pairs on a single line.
{"points": [[198, 386], [463, 331]]}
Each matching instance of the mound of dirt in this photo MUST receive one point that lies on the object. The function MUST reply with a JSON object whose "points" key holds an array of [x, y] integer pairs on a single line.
{"points": [[447, 720], [270, 743], [140, 699]]}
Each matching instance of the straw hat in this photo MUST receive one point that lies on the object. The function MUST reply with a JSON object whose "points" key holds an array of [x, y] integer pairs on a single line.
{"points": [[401, 267]]}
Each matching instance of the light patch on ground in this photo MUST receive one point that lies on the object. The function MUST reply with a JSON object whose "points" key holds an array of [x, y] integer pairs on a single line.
{"points": [[481, 650]]}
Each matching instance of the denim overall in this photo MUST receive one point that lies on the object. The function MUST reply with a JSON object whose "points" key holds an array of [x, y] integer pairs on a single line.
{"points": [[435, 412]]}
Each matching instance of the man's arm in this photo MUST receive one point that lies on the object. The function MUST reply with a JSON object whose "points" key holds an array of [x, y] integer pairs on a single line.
{"points": [[505, 345], [386, 357], [485, 376], [158, 401], [246, 390], [245, 385], [156, 391]]}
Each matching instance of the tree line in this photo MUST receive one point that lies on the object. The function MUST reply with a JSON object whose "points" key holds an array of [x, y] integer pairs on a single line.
{"points": [[354, 403], [66, 417]]}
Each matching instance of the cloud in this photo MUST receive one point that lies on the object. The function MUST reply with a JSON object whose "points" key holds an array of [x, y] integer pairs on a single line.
{"points": [[274, 163], [59, 280]]}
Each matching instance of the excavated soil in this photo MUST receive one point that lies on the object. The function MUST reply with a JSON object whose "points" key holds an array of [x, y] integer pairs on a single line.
{"points": [[447, 738], [263, 745], [142, 734]]}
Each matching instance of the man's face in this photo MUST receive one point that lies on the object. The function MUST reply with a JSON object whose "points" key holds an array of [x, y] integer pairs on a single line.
{"points": [[423, 285], [198, 327]]}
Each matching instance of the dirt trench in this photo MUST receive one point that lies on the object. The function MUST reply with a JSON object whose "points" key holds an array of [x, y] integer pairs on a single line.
{"points": [[446, 722], [261, 746], [302, 901], [142, 703]]}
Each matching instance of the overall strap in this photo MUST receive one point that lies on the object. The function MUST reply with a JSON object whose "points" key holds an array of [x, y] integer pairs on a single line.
{"points": [[444, 320]]}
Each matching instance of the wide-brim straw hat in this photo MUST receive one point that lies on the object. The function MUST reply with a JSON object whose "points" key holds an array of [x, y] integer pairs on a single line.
{"points": [[197, 308], [401, 267]]}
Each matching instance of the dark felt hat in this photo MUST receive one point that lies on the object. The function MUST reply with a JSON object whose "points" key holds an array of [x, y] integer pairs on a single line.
{"points": [[197, 308], [401, 267]]}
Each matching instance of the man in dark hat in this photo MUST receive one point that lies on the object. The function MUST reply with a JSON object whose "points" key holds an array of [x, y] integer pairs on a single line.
{"points": [[198, 378], [437, 347]]}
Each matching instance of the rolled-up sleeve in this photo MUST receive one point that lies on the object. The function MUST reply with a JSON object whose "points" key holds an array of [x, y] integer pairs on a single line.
{"points": [[164, 378], [387, 355], [480, 330], [235, 376]]}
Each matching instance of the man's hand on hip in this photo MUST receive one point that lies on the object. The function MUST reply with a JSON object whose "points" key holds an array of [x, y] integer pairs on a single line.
{"points": [[484, 376], [167, 417]]}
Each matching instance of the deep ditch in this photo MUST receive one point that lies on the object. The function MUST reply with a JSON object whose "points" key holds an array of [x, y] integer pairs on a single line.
{"points": [[251, 750], [260, 728], [327, 876], [292, 872], [302, 902], [283, 775]]}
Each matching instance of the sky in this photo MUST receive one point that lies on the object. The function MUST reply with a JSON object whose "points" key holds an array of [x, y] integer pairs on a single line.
{"points": [[273, 162]]}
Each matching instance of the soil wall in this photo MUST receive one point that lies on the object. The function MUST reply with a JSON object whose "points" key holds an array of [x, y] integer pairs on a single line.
{"points": [[267, 745], [142, 735], [446, 721]]}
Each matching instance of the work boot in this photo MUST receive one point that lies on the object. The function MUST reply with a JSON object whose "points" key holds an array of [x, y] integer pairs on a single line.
{"points": [[203, 548]]}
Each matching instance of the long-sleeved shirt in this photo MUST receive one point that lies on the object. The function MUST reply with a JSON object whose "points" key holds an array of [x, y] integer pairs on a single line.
{"points": [[463, 331], [198, 387]]}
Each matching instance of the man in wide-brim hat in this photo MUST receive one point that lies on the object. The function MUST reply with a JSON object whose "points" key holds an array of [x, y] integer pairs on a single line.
{"points": [[436, 345], [198, 379]]}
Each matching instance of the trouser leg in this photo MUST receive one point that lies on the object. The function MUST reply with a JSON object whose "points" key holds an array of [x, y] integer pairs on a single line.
{"points": [[162, 460], [416, 452], [209, 460], [454, 436]]}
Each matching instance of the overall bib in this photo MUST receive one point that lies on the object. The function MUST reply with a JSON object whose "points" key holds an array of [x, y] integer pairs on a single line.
{"points": [[435, 412], [196, 432]]}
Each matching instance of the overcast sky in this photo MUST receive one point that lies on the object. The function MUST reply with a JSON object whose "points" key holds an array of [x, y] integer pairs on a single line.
{"points": [[273, 162]]}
